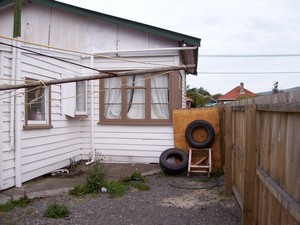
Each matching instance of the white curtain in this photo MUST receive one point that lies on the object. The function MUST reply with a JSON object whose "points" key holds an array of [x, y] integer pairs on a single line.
{"points": [[160, 97], [113, 98], [81, 96], [136, 97]]}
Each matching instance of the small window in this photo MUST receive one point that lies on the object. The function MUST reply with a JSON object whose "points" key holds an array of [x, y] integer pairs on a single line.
{"points": [[37, 107], [81, 98], [74, 99]]}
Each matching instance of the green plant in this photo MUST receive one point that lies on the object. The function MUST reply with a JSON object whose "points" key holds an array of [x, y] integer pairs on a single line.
{"points": [[22, 202], [96, 177], [56, 210], [140, 186], [135, 176], [116, 188], [79, 190]]}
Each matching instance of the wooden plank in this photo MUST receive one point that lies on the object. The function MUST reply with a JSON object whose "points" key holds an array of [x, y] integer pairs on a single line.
{"points": [[240, 108], [290, 204], [101, 75], [249, 165], [222, 123], [237, 195], [228, 151], [183, 117], [239, 152], [280, 107]]}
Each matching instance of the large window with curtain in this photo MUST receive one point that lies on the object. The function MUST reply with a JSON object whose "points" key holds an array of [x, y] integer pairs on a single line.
{"points": [[37, 107], [137, 99]]}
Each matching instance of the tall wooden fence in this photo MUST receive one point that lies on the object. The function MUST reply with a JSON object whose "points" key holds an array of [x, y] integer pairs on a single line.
{"points": [[262, 157]]}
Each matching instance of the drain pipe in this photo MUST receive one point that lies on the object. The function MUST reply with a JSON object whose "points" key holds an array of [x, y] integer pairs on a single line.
{"points": [[12, 103], [92, 117], [18, 122]]}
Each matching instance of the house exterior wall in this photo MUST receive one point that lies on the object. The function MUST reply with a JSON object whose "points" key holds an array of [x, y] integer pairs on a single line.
{"points": [[45, 150]]}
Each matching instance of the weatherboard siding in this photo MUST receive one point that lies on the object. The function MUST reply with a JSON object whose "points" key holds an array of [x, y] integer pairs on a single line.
{"points": [[7, 171], [45, 150]]}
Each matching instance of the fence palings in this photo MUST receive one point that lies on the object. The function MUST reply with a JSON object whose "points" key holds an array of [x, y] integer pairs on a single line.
{"points": [[262, 157]]}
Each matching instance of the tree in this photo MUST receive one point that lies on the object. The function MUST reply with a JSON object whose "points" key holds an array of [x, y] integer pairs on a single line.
{"points": [[199, 96], [275, 87]]}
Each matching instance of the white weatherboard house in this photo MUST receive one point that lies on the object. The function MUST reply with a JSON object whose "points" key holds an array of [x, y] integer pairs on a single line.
{"points": [[123, 118]]}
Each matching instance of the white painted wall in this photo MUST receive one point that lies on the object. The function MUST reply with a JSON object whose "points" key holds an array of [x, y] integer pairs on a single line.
{"points": [[48, 149]]}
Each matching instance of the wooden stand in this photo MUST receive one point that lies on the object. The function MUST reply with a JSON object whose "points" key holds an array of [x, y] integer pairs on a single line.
{"points": [[203, 163]]}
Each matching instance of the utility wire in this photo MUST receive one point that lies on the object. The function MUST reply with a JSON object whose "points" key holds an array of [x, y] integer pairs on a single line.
{"points": [[249, 55], [257, 72], [52, 57]]}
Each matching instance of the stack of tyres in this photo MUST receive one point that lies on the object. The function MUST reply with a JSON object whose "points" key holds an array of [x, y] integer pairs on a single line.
{"points": [[179, 162]]}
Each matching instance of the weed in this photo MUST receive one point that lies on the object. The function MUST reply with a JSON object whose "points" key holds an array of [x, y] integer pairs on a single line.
{"points": [[96, 177], [203, 180], [116, 188], [56, 210], [21, 203], [79, 190], [135, 176], [140, 186]]}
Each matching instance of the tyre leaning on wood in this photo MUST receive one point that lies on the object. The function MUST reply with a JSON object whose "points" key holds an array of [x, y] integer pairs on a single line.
{"points": [[173, 161], [199, 124]]}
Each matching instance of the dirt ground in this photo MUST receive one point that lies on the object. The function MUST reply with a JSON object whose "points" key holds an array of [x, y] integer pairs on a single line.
{"points": [[171, 200]]}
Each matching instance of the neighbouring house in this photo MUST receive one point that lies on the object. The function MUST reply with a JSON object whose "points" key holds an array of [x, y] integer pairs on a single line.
{"points": [[188, 102], [238, 93], [123, 118]]}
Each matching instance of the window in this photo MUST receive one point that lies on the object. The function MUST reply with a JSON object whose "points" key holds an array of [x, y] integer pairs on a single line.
{"points": [[74, 99], [37, 107], [137, 99], [81, 98]]}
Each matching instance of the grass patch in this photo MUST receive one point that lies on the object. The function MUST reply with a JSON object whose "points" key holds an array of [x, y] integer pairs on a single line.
{"points": [[203, 180], [20, 203], [79, 190], [96, 179], [141, 186], [56, 210], [116, 188]]}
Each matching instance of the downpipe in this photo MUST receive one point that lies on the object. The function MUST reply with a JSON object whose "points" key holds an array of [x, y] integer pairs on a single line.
{"points": [[18, 122], [92, 118]]}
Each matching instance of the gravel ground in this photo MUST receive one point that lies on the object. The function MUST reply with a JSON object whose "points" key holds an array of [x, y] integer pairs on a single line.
{"points": [[171, 200]]}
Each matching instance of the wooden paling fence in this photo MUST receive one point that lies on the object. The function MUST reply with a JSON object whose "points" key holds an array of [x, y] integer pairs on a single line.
{"points": [[261, 139]]}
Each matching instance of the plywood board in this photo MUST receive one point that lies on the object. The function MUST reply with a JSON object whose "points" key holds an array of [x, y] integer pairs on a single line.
{"points": [[183, 117]]}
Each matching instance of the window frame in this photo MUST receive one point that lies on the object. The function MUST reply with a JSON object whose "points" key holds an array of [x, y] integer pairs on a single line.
{"points": [[45, 124], [174, 102]]}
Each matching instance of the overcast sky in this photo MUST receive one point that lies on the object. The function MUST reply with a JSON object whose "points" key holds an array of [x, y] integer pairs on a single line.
{"points": [[231, 27]]}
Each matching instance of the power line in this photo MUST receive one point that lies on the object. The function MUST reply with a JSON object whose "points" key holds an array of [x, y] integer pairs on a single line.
{"points": [[52, 57], [248, 55], [257, 72]]}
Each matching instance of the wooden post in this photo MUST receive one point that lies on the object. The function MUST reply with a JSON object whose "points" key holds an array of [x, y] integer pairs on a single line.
{"points": [[94, 77], [228, 150], [17, 19], [222, 129], [249, 165]]}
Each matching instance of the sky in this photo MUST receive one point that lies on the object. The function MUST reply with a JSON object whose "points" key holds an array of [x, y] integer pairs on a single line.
{"points": [[233, 33]]}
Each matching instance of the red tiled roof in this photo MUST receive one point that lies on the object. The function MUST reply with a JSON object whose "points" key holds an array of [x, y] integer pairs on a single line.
{"points": [[235, 94]]}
